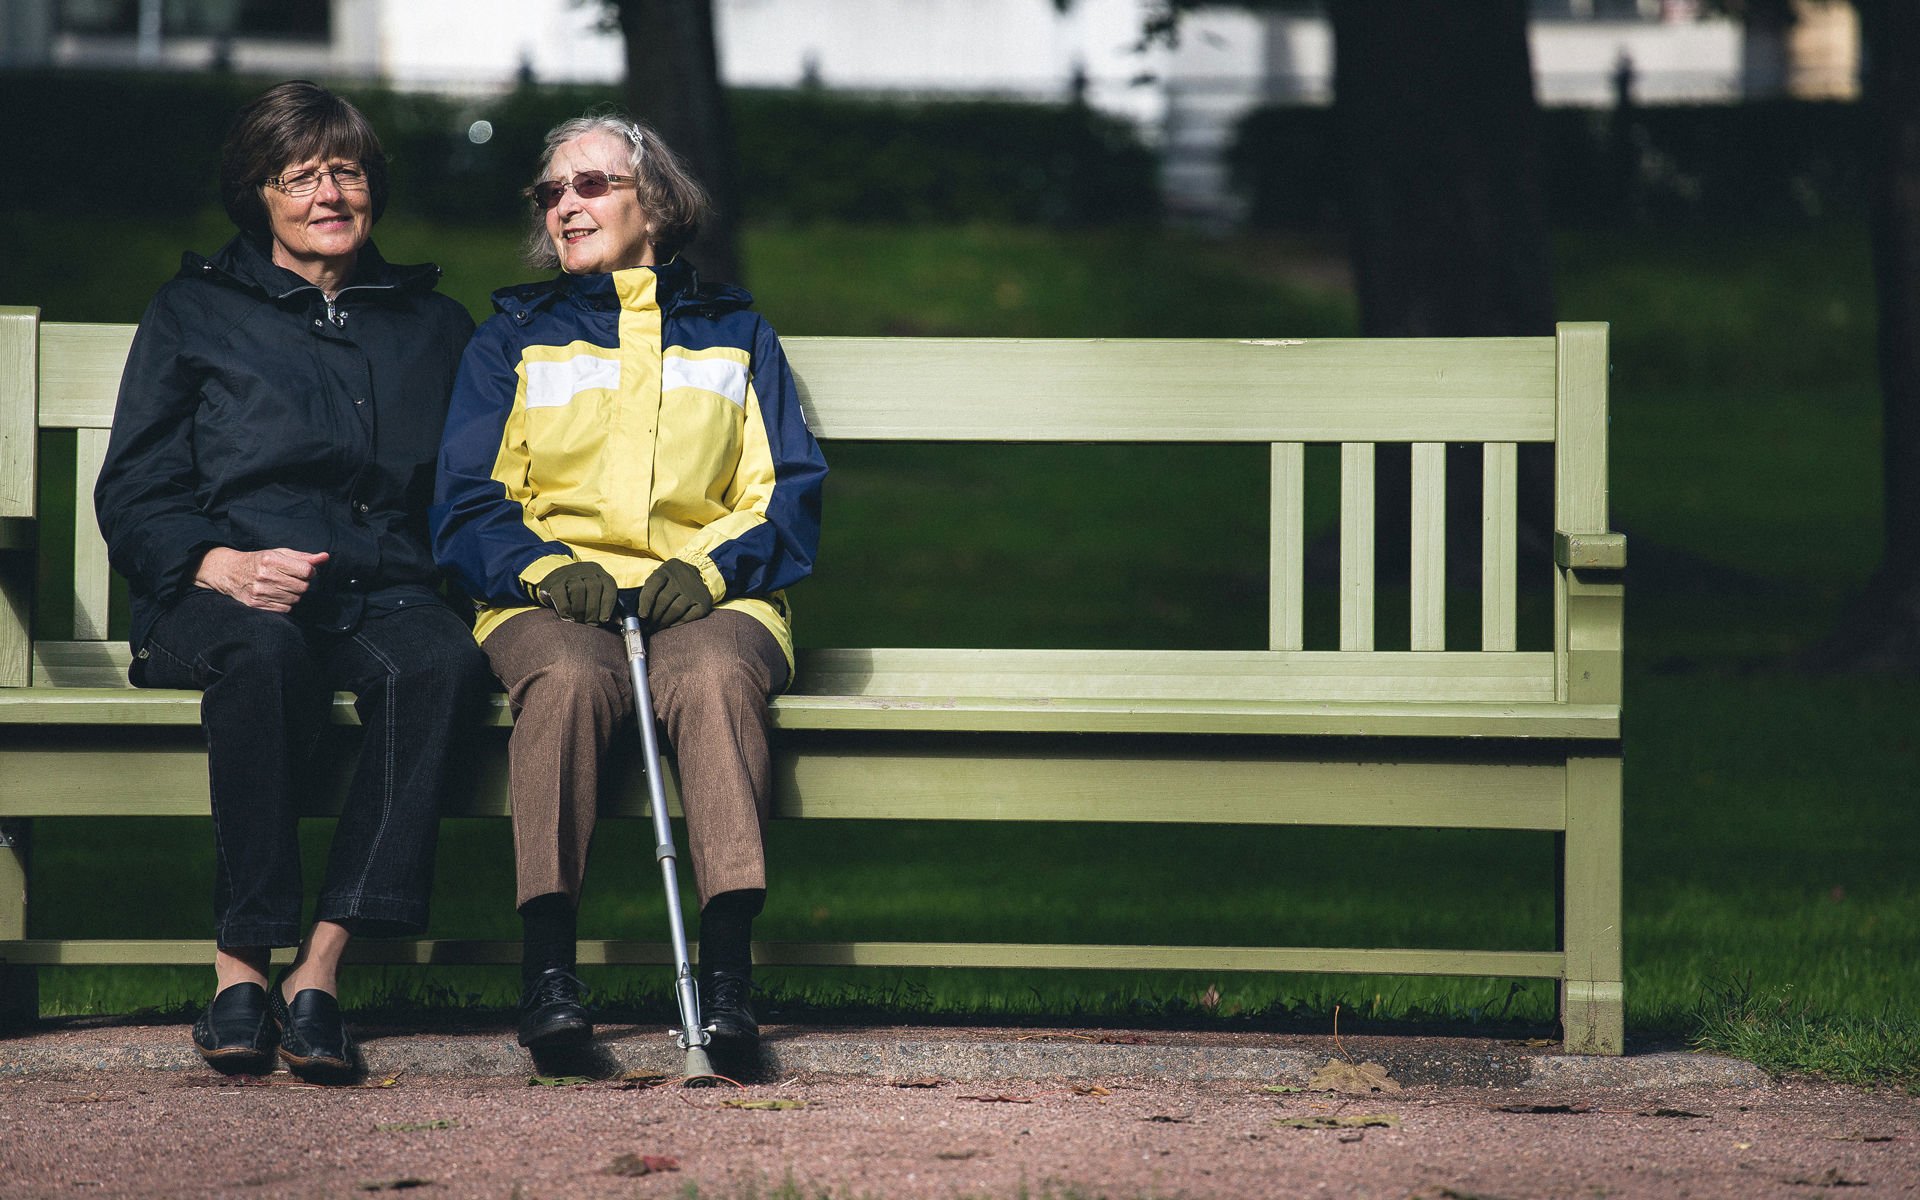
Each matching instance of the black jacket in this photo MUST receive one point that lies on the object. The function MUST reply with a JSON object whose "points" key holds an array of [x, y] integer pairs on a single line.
{"points": [[253, 414]]}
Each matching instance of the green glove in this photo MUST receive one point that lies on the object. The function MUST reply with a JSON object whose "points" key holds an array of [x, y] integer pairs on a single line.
{"points": [[582, 592], [674, 594]]}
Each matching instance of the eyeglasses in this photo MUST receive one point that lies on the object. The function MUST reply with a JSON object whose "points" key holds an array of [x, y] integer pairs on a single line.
{"points": [[587, 185], [348, 177]]}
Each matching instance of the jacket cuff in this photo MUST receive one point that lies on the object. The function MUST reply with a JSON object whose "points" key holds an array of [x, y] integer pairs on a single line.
{"points": [[540, 568], [709, 575]]}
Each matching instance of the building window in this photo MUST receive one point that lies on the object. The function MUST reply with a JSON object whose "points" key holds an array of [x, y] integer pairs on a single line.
{"points": [[298, 20]]}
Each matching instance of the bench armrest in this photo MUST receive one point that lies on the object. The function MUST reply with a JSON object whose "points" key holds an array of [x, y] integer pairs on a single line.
{"points": [[1590, 551]]}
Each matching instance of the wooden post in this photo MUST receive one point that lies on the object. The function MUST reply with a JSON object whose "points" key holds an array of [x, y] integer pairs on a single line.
{"points": [[19, 443], [1589, 619], [19, 985], [1592, 992]]}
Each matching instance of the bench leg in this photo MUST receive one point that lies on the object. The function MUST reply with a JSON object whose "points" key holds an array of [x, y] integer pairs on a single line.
{"points": [[1592, 995], [19, 986]]}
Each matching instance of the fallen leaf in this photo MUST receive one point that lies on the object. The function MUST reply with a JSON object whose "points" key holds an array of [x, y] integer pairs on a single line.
{"points": [[1860, 1137], [1210, 999], [1544, 1108], [557, 1080], [642, 1164], [1366, 1121], [957, 1155], [627, 1081], [1743, 1145], [1673, 1112], [395, 1185], [414, 1126], [1355, 1136], [918, 1081], [1124, 1039], [1167, 1119], [1001, 1099], [392, 1080], [1353, 1078], [1090, 1089], [763, 1105], [1829, 1178], [1280, 1089]]}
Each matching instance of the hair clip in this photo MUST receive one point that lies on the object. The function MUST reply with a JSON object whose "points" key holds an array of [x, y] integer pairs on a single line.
{"points": [[639, 142]]}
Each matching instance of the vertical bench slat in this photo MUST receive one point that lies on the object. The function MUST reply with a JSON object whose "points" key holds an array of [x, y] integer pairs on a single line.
{"points": [[1287, 550], [1356, 546], [1428, 570], [1499, 545], [92, 577], [19, 441], [19, 419]]}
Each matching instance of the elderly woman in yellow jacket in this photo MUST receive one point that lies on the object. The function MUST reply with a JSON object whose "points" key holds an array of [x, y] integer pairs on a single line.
{"points": [[623, 431]]}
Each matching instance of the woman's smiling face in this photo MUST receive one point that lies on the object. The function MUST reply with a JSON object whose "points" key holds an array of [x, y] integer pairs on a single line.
{"points": [[327, 225], [605, 233]]}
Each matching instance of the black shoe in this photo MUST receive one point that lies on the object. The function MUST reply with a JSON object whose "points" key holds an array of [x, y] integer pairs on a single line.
{"points": [[313, 1036], [235, 1032], [726, 1008], [551, 1013]]}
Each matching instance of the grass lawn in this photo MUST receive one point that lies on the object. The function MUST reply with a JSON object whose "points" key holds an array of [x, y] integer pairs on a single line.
{"points": [[1771, 818]]}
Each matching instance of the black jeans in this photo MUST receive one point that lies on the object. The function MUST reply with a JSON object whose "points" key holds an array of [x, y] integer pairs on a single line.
{"points": [[269, 681]]}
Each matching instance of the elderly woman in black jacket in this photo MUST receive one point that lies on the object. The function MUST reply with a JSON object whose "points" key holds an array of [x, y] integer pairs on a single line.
{"points": [[265, 493]]}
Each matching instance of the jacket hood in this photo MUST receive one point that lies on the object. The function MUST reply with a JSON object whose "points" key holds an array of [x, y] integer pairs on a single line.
{"points": [[246, 263], [679, 290]]}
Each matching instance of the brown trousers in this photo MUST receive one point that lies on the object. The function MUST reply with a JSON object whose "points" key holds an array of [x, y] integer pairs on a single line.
{"points": [[572, 695]]}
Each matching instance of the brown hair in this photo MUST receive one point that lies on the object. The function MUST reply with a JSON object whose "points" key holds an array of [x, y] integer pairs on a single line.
{"points": [[669, 195], [289, 123]]}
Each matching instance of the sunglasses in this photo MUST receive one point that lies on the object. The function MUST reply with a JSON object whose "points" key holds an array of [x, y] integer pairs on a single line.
{"points": [[587, 185]]}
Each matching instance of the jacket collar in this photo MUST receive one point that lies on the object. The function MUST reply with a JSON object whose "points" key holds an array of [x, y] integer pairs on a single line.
{"points": [[246, 263], [677, 289]]}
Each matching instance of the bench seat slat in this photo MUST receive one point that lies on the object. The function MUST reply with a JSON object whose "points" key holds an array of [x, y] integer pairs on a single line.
{"points": [[971, 714], [1198, 675], [1180, 674]]}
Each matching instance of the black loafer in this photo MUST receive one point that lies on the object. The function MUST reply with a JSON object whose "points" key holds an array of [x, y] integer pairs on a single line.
{"points": [[725, 1002], [313, 1036], [235, 1032], [551, 1012]]}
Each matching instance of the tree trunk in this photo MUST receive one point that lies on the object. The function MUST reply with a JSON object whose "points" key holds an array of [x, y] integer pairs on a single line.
{"points": [[673, 84], [1882, 631], [1446, 218], [1443, 200]]}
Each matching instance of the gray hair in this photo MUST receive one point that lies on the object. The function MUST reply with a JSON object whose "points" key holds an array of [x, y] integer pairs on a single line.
{"points": [[671, 197]]}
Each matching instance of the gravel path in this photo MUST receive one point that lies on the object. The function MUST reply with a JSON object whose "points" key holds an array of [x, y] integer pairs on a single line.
{"points": [[194, 1133]]}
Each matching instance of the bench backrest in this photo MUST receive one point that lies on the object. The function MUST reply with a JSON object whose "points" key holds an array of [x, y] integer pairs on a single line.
{"points": [[1496, 393]]}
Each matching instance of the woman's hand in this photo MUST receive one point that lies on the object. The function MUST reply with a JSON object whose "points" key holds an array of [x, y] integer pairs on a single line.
{"points": [[273, 580]]}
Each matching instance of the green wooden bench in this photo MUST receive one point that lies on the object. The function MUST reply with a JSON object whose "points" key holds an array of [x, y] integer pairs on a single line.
{"points": [[1487, 737]]}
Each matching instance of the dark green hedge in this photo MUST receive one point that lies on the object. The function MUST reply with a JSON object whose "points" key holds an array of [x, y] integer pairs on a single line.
{"points": [[128, 143], [1756, 163]]}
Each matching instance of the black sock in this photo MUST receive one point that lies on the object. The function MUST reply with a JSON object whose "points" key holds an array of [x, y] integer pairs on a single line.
{"points": [[547, 934], [726, 931]]}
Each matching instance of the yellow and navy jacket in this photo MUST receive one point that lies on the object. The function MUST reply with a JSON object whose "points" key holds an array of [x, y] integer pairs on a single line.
{"points": [[626, 419]]}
